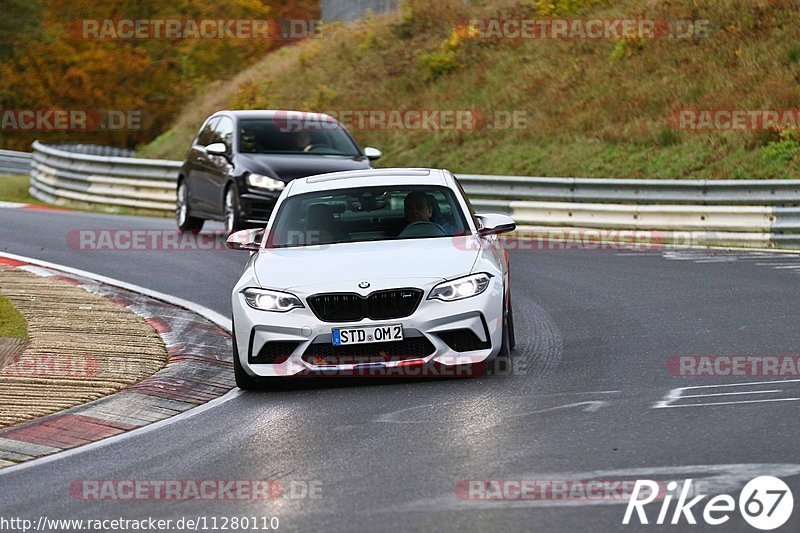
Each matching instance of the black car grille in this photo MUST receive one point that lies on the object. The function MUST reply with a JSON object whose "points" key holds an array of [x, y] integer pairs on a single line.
{"points": [[351, 307], [375, 352], [274, 353], [463, 340]]}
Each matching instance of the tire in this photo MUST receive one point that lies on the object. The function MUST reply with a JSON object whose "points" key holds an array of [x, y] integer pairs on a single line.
{"points": [[232, 210], [502, 363], [185, 221], [512, 339], [243, 380]]}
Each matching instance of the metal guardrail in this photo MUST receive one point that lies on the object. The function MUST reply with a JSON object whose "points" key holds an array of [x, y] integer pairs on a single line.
{"points": [[61, 176], [763, 213], [635, 191], [14, 162], [94, 149], [759, 213]]}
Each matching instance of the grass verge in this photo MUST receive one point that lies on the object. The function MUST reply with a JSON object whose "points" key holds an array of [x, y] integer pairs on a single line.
{"points": [[591, 108], [12, 323]]}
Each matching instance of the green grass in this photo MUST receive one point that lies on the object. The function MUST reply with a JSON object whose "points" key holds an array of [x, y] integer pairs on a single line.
{"points": [[12, 323], [594, 108], [15, 189]]}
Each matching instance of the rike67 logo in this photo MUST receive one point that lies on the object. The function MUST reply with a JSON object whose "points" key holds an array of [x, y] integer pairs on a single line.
{"points": [[765, 503]]}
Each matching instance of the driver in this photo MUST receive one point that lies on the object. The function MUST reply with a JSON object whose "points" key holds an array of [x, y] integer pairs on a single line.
{"points": [[417, 207], [419, 214], [303, 140], [248, 141]]}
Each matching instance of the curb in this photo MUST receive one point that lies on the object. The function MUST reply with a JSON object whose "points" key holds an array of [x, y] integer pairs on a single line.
{"points": [[32, 207], [199, 370]]}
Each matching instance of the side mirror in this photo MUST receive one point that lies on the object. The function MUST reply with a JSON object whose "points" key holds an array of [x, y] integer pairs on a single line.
{"points": [[246, 239], [492, 224], [217, 149], [372, 153]]}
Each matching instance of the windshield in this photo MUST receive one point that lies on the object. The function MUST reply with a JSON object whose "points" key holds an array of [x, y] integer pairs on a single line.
{"points": [[264, 136], [368, 214]]}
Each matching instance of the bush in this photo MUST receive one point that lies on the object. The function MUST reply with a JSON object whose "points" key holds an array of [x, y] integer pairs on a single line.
{"points": [[783, 150]]}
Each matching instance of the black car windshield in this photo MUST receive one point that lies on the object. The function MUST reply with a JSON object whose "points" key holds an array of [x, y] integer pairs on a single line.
{"points": [[267, 136], [367, 214]]}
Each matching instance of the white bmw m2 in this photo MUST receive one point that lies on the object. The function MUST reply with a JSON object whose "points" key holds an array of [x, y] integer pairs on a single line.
{"points": [[371, 272]]}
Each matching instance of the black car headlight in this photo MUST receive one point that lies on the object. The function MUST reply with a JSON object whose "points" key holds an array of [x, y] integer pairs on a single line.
{"points": [[460, 288], [260, 181], [267, 300]]}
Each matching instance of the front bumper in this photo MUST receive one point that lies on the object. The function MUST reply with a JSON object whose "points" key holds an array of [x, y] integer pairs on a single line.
{"points": [[295, 343], [256, 206]]}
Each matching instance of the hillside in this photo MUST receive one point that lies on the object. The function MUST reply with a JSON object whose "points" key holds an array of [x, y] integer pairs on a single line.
{"points": [[596, 108]]}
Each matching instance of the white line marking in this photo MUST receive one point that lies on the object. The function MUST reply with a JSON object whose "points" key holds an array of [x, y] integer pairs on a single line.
{"points": [[787, 266], [676, 394], [213, 316], [746, 249], [11, 205], [746, 383], [729, 403], [730, 393], [39, 271], [591, 406]]}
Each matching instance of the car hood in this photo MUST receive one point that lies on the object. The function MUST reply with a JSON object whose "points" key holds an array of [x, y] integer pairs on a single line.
{"points": [[337, 267], [287, 167]]}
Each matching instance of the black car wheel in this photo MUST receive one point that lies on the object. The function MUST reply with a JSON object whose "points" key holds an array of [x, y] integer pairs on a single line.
{"points": [[186, 222], [233, 213]]}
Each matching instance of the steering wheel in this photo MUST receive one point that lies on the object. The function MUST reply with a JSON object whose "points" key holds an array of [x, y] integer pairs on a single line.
{"points": [[425, 223]]}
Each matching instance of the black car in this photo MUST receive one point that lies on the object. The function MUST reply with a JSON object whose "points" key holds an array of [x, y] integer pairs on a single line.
{"points": [[240, 162]]}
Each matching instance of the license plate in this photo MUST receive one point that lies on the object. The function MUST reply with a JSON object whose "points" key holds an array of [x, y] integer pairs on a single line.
{"points": [[344, 336]]}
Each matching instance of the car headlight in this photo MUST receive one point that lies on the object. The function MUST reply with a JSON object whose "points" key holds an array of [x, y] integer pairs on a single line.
{"points": [[267, 300], [460, 288], [265, 182]]}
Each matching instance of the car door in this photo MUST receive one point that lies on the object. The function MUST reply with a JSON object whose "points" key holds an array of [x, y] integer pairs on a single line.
{"points": [[197, 168], [219, 166]]}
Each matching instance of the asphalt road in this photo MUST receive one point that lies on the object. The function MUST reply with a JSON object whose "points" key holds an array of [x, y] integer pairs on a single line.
{"points": [[587, 398]]}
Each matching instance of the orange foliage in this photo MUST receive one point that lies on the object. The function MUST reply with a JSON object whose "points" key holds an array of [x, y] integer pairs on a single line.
{"points": [[46, 65]]}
